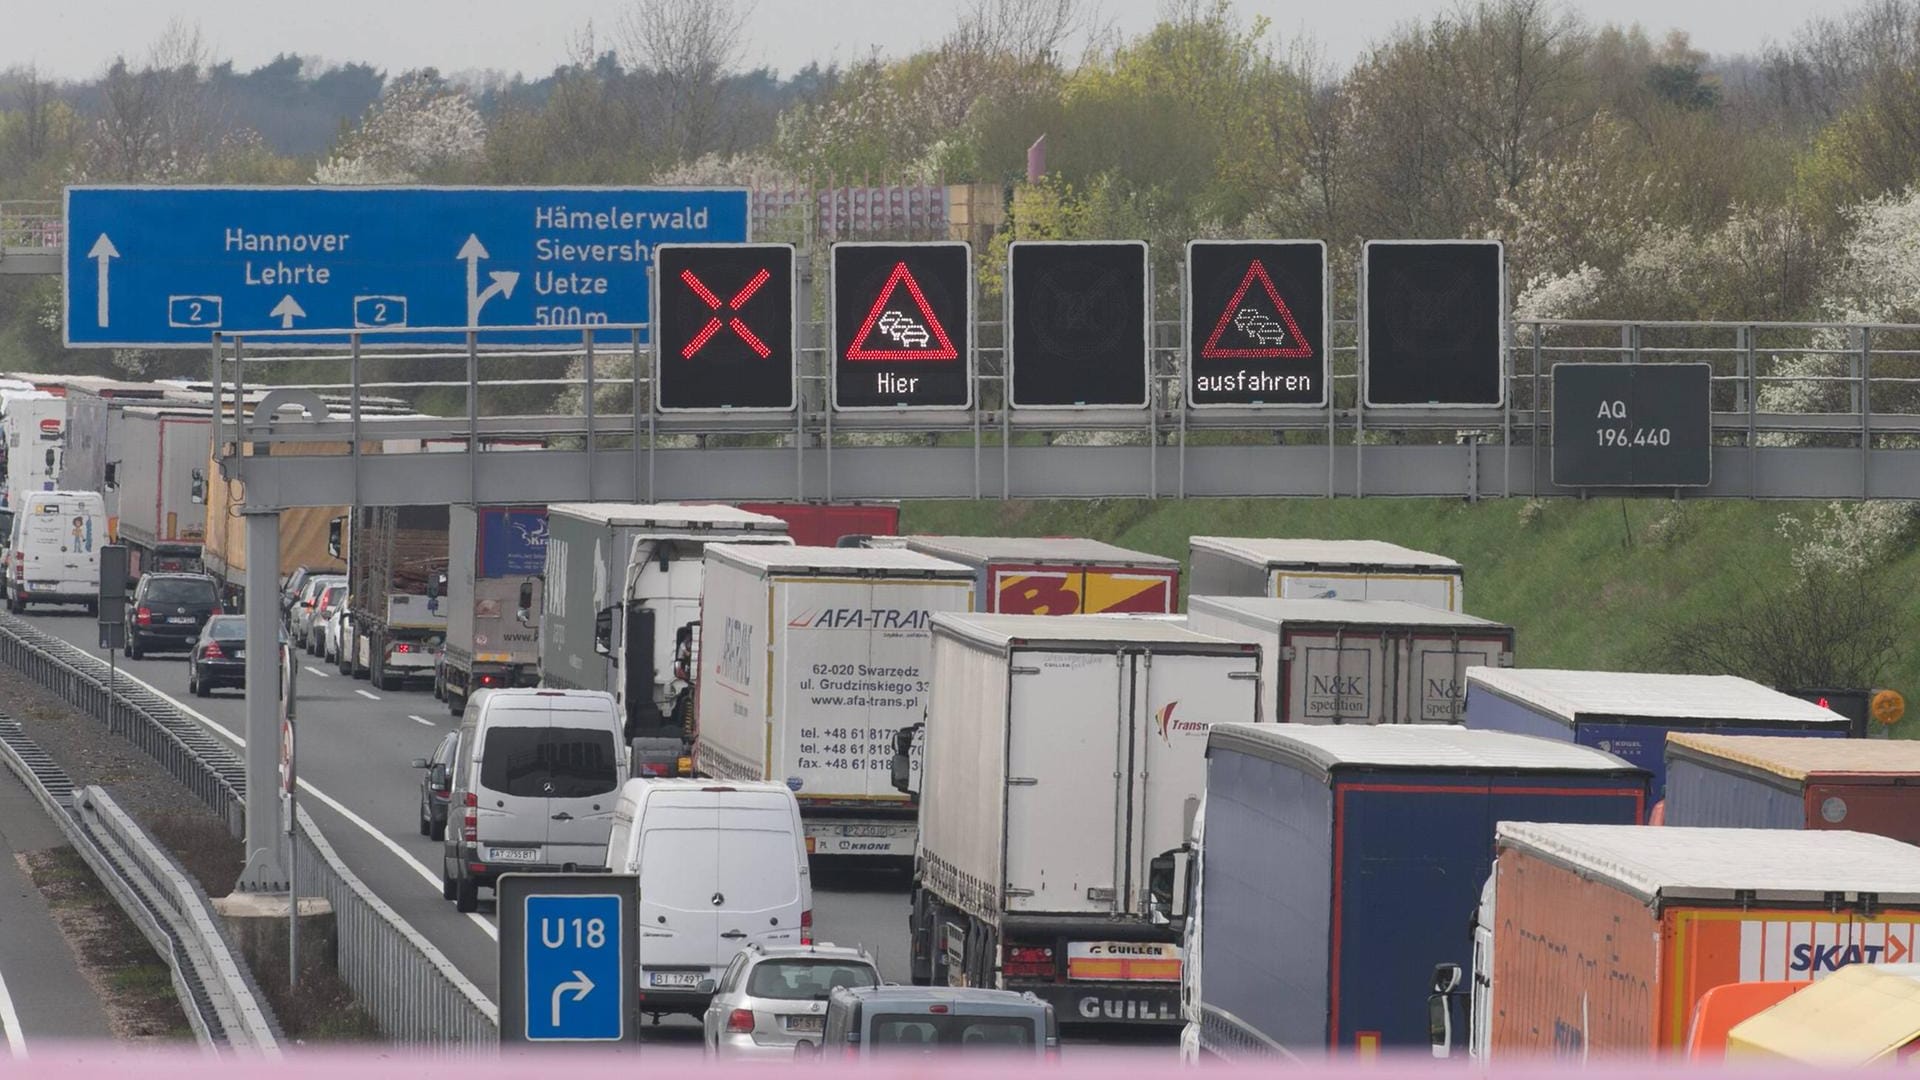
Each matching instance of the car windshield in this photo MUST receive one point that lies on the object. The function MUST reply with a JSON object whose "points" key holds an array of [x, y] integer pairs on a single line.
{"points": [[227, 626], [560, 763], [179, 591], [807, 980], [921, 1032]]}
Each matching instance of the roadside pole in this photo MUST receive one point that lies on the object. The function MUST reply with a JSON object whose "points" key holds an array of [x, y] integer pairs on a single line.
{"points": [[289, 782], [110, 608]]}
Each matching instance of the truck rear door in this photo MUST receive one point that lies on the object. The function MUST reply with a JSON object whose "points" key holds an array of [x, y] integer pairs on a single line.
{"points": [[1181, 697], [1333, 677], [1067, 760], [1434, 684]]}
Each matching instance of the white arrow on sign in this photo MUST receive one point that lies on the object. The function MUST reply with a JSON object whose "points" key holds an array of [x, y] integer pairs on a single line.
{"points": [[287, 310], [471, 253], [102, 251], [581, 987]]}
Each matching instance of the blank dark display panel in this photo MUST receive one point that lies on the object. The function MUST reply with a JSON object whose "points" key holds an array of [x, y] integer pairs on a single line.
{"points": [[1434, 316], [1077, 324]]}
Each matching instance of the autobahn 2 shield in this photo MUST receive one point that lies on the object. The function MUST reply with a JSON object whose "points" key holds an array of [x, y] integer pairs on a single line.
{"points": [[724, 334], [902, 326], [1077, 324], [1256, 323]]}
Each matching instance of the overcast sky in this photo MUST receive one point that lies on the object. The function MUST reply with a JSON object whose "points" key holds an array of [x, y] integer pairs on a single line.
{"points": [[77, 38]]}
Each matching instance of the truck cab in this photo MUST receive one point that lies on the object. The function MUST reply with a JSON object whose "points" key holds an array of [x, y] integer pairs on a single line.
{"points": [[658, 650]]}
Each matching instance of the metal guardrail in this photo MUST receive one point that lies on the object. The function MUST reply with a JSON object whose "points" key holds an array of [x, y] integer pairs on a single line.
{"points": [[219, 998], [389, 961], [402, 979], [33, 225], [1788, 402]]}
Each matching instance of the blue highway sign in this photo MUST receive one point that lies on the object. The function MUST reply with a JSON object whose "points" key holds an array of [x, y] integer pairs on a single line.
{"points": [[573, 968], [168, 266]]}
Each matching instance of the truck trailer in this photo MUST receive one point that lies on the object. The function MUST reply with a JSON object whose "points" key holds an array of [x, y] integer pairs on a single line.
{"points": [[1323, 570], [1776, 782], [621, 610], [496, 556], [1054, 575], [34, 423], [1337, 866], [811, 660], [1630, 713], [153, 460], [826, 524], [395, 614], [1064, 763], [1607, 935], [1357, 661]]}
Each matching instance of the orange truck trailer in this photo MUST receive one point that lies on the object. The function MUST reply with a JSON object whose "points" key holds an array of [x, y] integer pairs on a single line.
{"points": [[1059, 575], [1607, 936]]}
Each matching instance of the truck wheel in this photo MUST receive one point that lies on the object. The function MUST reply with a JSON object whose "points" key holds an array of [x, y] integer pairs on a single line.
{"points": [[344, 661], [447, 888], [466, 895], [920, 926], [390, 682], [133, 647], [93, 607], [456, 704]]}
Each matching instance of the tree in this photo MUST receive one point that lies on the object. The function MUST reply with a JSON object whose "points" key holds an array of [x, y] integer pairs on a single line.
{"points": [[420, 129], [687, 48]]}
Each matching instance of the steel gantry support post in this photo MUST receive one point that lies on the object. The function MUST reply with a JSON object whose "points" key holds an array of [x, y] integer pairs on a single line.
{"points": [[265, 870]]}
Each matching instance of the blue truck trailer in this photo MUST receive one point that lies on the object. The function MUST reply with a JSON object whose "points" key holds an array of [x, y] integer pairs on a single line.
{"points": [[1336, 866], [1629, 713]]}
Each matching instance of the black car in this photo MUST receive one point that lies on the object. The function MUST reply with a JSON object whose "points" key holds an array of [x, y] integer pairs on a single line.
{"points": [[166, 611], [436, 786], [219, 656]]}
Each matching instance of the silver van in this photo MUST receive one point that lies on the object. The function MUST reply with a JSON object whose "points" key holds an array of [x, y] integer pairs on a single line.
{"points": [[534, 787]]}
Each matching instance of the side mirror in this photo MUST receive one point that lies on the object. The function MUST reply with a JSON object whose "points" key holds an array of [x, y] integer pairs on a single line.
{"points": [[525, 614], [806, 1050], [437, 585], [419, 763], [603, 631], [199, 491], [112, 474], [1446, 981], [1166, 888], [336, 529], [902, 765], [705, 986]]}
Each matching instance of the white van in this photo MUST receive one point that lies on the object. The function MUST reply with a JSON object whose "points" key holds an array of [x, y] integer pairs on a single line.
{"points": [[55, 554], [722, 866], [534, 787]]}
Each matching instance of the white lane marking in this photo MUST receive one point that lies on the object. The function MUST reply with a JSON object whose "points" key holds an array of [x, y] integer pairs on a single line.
{"points": [[16, 1038], [355, 819], [368, 694], [419, 719], [316, 671]]}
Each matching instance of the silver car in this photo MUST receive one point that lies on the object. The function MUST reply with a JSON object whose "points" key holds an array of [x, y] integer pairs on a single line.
{"points": [[770, 998]]}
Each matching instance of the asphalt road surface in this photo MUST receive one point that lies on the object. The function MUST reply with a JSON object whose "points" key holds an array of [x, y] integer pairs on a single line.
{"points": [[356, 743], [43, 996]]}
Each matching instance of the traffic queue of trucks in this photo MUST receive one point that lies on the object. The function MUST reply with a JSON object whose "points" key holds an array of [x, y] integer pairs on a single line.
{"points": [[1282, 822]]}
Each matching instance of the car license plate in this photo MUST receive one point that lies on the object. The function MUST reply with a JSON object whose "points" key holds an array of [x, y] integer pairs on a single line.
{"points": [[864, 830], [673, 978], [508, 854], [804, 1023], [180, 619]]}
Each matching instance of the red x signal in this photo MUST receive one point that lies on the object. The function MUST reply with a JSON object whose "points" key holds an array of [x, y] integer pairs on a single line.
{"points": [[730, 309]]}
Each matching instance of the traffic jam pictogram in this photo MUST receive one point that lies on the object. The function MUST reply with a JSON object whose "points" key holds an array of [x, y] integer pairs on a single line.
{"points": [[901, 316], [1256, 323], [725, 333]]}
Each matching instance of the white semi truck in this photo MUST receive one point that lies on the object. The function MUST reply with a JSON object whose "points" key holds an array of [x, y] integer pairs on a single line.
{"points": [[812, 660], [620, 610], [1064, 764]]}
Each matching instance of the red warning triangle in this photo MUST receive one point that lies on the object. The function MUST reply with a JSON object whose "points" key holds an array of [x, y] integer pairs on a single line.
{"points": [[1272, 341], [902, 337]]}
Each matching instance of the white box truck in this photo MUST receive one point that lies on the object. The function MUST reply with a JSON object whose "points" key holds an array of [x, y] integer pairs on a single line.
{"points": [[34, 423], [1357, 661], [1322, 570], [1064, 763], [811, 660]]}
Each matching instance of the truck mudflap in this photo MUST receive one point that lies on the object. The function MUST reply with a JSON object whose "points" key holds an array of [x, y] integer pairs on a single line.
{"points": [[1084, 1002], [870, 839]]}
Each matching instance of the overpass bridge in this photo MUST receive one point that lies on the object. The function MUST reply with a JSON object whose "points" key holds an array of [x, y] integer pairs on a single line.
{"points": [[32, 237]]}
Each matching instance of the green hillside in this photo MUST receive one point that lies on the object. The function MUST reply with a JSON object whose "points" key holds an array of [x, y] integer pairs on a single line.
{"points": [[1586, 584]]}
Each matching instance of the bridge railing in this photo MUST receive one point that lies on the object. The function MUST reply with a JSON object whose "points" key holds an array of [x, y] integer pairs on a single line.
{"points": [[591, 391], [31, 225]]}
